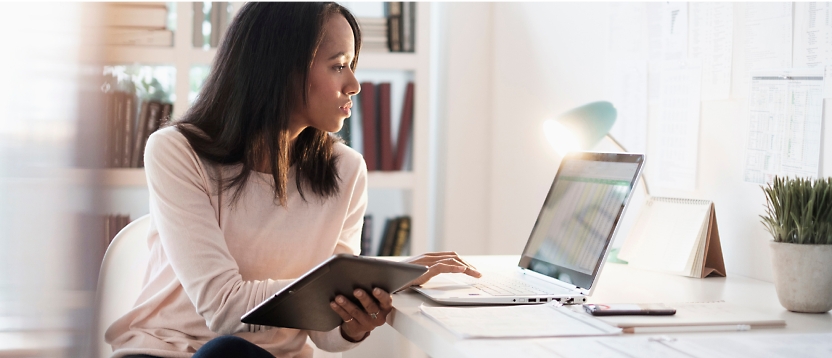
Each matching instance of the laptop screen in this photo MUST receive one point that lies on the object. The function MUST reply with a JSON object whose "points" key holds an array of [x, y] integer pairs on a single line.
{"points": [[577, 222]]}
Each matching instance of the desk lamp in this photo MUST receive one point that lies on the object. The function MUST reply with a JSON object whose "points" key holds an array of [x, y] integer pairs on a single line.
{"points": [[582, 128]]}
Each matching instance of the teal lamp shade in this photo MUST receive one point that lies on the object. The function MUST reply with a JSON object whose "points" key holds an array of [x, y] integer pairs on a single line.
{"points": [[580, 128]]}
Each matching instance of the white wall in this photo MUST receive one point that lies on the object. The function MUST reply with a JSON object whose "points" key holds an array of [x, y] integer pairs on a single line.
{"points": [[465, 112], [547, 58]]}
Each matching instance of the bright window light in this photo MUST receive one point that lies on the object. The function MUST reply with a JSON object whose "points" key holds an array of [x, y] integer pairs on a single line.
{"points": [[560, 138]]}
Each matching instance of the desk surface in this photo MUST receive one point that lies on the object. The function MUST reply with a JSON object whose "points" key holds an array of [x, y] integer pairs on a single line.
{"points": [[618, 284]]}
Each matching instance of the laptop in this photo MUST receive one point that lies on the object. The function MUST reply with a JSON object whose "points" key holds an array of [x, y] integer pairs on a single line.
{"points": [[569, 243]]}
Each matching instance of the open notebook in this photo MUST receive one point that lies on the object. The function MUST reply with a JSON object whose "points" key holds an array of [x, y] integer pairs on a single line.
{"points": [[678, 236]]}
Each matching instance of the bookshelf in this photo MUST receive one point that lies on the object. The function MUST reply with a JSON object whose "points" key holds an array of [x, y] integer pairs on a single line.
{"points": [[413, 183]]}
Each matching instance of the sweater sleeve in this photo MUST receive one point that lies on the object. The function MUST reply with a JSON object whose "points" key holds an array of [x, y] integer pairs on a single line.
{"points": [[180, 206]]}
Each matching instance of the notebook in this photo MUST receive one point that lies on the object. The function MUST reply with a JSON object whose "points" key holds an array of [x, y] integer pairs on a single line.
{"points": [[569, 243], [677, 236]]}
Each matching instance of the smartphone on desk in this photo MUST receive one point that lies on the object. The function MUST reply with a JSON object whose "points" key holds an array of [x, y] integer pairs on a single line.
{"points": [[628, 309]]}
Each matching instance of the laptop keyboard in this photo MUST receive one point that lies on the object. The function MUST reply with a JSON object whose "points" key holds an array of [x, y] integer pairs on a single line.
{"points": [[503, 286]]}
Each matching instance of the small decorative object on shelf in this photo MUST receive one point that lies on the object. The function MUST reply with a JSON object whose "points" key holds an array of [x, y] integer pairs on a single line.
{"points": [[799, 217], [137, 24]]}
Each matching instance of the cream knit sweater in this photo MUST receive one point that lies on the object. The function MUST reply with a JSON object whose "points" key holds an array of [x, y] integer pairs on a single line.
{"points": [[211, 263]]}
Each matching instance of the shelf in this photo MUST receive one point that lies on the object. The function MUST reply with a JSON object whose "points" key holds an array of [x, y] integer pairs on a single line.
{"points": [[390, 180], [152, 55], [388, 61]]}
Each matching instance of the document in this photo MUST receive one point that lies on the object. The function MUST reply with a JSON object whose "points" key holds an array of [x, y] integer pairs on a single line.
{"points": [[700, 314], [812, 345], [785, 112], [813, 37], [545, 320], [768, 35], [768, 42], [812, 34], [655, 44], [711, 40], [675, 30], [627, 90], [678, 137]]}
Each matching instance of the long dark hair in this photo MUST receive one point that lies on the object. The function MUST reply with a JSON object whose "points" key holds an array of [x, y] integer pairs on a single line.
{"points": [[242, 112]]}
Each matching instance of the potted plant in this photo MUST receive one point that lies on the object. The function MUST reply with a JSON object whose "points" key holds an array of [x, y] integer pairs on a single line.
{"points": [[799, 217]]}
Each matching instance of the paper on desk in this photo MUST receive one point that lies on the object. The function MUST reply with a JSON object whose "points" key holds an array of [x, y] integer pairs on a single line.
{"points": [[698, 314], [717, 345], [549, 320]]}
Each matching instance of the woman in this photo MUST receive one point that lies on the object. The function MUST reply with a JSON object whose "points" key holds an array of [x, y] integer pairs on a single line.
{"points": [[249, 190]]}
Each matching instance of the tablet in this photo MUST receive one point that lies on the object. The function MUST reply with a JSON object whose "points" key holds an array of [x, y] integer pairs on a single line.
{"points": [[304, 304]]}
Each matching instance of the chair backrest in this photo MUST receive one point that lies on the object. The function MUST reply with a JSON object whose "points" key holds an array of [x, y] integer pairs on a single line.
{"points": [[120, 282], [120, 278]]}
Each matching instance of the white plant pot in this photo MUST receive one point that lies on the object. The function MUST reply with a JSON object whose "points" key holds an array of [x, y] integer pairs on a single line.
{"points": [[803, 276]]}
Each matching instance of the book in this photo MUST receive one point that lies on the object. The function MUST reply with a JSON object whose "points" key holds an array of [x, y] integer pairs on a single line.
{"points": [[408, 26], [110, 129], [394, 34], [165, 119], [117, 135], [678, 236], [405, 128], [137, 37], [151, 124], [126, 15], [388, 240], [402, 235], [385, 136], [368, 125], [367, 236], [141, 131], [128, 122], [394, 26]]}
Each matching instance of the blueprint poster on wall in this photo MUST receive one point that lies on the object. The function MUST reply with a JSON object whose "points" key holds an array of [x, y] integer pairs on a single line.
{"points": [[785, 112]]}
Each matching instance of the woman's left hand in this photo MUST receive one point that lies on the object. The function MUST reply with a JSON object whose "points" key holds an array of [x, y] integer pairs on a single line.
{"points": [[359, 321]]}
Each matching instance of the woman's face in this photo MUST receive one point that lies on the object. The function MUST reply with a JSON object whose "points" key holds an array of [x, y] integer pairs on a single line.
{"points": [[331, 81]]}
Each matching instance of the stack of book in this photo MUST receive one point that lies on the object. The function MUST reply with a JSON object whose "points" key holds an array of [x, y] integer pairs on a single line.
{"points": [[395, 237], [137, 24], [373, 34], [218, 15], [129, 125], [380, 151], [395, 32]]}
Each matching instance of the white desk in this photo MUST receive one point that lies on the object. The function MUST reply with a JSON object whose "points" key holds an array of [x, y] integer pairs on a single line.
{"points": [[618, 284]]}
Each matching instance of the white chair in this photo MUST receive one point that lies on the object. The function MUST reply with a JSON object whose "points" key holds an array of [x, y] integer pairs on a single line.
{"points": [[120, 278], [120, 282]]}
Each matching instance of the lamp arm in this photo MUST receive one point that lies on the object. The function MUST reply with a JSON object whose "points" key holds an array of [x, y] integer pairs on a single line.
{"points": [[643, 176]]}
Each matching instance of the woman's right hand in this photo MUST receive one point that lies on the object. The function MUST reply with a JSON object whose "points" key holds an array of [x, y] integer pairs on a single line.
{"points": [[441, 262]]}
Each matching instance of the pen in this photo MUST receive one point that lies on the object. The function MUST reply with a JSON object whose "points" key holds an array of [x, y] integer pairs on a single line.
{"points": [[714, 328]]}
